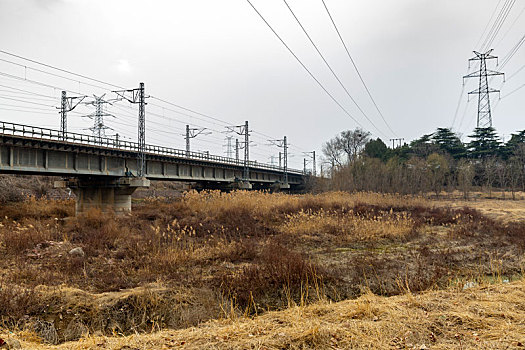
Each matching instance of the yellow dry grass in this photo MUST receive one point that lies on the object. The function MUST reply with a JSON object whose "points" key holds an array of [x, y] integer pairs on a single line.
{"points": [[349, 227], [506, 210], [214, 202], [488, 317]]}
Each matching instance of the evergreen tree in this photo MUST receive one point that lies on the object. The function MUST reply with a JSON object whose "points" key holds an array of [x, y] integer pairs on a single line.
{"points": [[423, 146], [514, 143], [485, 143], [449, 142], [377, 149]]}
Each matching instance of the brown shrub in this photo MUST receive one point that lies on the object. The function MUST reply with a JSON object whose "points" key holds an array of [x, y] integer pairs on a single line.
{"points": [[15, 303], [275, 276], [18, 237], [96, 230]]}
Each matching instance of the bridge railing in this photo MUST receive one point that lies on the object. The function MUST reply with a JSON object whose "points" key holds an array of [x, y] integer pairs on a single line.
{"points": [[34, 132]]}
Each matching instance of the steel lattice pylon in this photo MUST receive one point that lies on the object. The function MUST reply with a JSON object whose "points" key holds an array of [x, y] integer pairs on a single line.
{"points": [[483, 91], [99, 128]]}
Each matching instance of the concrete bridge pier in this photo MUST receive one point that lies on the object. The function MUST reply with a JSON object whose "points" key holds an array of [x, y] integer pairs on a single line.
{"points": [[280, 186], [242, 185], [108, 195]]}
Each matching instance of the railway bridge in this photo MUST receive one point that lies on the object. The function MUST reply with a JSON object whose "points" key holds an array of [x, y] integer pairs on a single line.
{"points": [[103, 172]]}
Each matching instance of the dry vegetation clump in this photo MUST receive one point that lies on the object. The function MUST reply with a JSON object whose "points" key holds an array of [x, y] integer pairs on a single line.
{"points": [[235, 253], [484, 317], [350, 227]]}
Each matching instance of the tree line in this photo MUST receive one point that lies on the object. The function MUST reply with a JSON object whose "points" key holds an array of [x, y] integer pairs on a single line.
{"points": [[435, 162]]}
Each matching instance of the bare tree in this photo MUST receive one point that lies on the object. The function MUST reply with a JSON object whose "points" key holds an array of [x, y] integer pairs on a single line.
{"points": [[352, 141], [333, 152], [438, 171], [502, 174], [489, 172], [465, 176], [515, 173], [520, 159]]}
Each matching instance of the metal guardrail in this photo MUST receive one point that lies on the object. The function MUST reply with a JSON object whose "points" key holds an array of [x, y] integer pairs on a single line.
{"points": [[115, 144]]}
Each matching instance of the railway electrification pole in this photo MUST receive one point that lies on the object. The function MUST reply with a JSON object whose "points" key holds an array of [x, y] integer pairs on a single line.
{"points": [[137, 96], [283, 143], [67, 105]]}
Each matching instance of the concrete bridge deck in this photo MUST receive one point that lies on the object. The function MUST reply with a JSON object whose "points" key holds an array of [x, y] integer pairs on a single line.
{"points": [[91, 162]]}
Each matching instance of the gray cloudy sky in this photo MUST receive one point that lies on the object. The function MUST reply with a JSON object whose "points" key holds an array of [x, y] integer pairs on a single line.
{"points": [[219, 58]]}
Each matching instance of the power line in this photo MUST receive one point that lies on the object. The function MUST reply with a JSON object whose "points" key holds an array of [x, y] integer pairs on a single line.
{"points": [[458, 105], [88, 78], [61, 88], [59, 69], [54, 75], [30, 102], [330, 67], [512, 52], [513, 91], [24, 96], [495, 23], [27, 92], [302, 64], [505, 10], [511, 26], [463, 115], [356, 69], [487, 25], [516, 72], [32, 81], [26, 107], [35, 82]]}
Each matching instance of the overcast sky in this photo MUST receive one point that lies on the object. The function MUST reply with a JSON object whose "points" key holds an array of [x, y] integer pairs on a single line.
{"points": [[220, 59]]}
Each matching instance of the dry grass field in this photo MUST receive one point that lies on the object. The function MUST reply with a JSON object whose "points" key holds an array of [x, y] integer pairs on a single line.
{"points": [[259, 270]]}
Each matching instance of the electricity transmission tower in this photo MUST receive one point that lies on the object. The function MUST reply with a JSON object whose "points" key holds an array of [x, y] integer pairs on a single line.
{"points": [[65, 107], [284, 144], [138, 96], [229, 146], [192, 133], [483, 91], [237, 149], [99, 128]]}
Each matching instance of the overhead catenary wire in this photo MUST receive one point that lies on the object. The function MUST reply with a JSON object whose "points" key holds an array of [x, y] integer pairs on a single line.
{"points": [[60, 69], [24, 101], [94, 80], [26, 111], [357, 69], [55, 87], [27, 92]]}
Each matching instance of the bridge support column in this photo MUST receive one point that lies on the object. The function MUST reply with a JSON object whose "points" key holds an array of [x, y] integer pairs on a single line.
{"points": [[243, 185], [112, 195], [280, 186]]}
